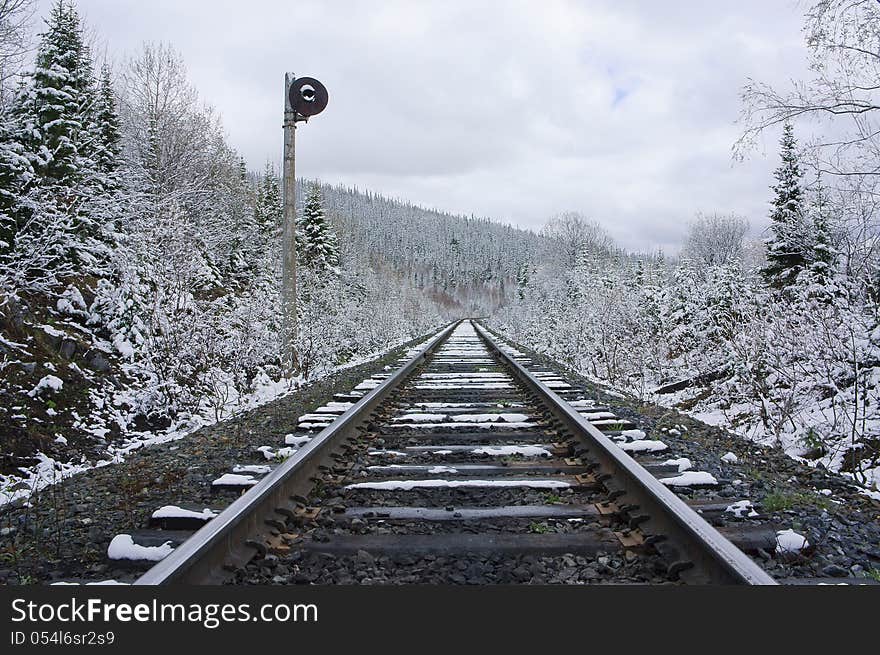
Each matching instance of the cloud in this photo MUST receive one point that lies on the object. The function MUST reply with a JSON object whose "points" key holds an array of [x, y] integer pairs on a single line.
{"points": [[623, 110]]}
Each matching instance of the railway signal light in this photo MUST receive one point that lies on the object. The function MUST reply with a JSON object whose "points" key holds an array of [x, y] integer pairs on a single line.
{"points": [[303, 97]]}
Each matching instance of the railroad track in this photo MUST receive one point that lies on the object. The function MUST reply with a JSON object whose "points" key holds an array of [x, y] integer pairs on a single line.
{"points": [[468, 456]]}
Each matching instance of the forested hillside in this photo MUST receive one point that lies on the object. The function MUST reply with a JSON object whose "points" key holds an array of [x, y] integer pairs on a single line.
{"points": [[462, 262]]}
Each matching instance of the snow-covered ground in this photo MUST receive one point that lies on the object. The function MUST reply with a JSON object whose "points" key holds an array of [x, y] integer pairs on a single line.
{"points": [[740, 420], [49, 471]]}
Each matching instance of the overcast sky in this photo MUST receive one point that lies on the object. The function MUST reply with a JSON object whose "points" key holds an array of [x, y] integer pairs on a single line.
{"points": [[621, 109]]}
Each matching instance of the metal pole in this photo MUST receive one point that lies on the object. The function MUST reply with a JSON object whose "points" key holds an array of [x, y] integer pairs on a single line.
{"points": [[288, 239]]}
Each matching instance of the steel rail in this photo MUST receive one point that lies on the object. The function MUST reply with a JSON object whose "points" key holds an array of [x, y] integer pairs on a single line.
{"points": [[225, 539], [712, 554]]}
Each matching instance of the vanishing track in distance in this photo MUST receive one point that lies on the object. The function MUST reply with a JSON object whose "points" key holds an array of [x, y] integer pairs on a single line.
{"points": [[468, 458]]}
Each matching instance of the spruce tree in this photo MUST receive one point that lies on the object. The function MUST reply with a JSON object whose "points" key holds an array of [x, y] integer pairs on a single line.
{"points": [[59, 101], [109, 137], [318, 249], [824, 256], [785, 248], [50, 123], [267, 209]]}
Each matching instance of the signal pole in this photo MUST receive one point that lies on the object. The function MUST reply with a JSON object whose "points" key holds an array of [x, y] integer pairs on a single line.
{"points": [[303, 97], [288, 235]]}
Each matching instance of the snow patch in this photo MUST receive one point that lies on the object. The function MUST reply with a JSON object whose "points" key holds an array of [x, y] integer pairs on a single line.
{"points": [[434, 470], [175, 512], [525, 451], [122, 547], [255, 469], [690, 479], [644, 445], [742, 508], [789, 541], [50, 382], [234, 480], [683, 463]]}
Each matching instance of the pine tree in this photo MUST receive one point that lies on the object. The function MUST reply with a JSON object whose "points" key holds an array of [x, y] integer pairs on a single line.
{"points": [[109, 137], [267, 209], [824, 256], [59, 101], [785, 248], [318, 248], [51, 124]]}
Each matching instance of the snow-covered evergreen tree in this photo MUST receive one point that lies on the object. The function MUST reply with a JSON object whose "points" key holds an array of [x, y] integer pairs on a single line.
{"points": [[57, 100], [786, 256], [318, 248], [109, 149], [267, 209], [47, 227], [824, 255]]}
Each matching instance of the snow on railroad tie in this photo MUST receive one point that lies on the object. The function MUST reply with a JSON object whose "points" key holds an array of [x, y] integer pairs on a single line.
{"points": [[420, 417], [463, 349], [586, 404], [643, 446], [436, 469], [691, 479], [595, 416], [460, 424], [322, 418], [253, 469], [296, 440], [367, 385], [741, 509], [503, 417], [409, 485], [456, 346], [475, 374], [122, 547], [464, 379], [556, 384], [683, 463], [175, 512], [610, 421], [421, 406], [503, 451], [234, 480], [463, 359], [334, 407], [481, 385]]}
